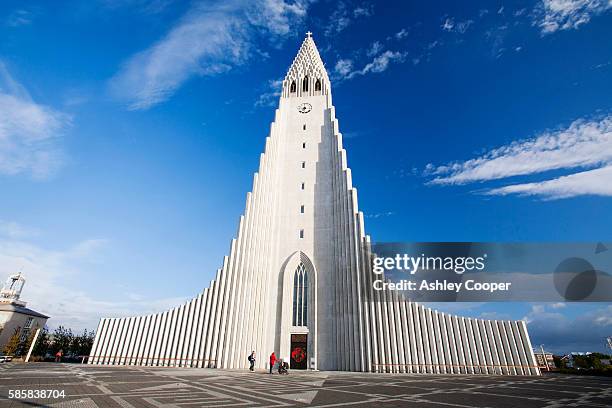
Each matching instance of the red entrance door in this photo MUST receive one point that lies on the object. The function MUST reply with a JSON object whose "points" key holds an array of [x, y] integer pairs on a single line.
{"points": [[299, 343]]}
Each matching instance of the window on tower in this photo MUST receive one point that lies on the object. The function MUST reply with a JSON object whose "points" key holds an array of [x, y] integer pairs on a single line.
{"points": [[304, 145], [305, 84], [295, 298], [300, 296], [302, 209], [304, 127], [303, 165], [318, 85], [303, 186], [301, 233], [293, 87]]}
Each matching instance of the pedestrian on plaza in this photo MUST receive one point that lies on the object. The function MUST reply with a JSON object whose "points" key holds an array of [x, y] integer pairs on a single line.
{"points": [[252, 360], [272, 361], [58, 356]]}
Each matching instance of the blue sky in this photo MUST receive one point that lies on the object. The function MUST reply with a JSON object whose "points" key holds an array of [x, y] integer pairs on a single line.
{"points": [[130, 130]]}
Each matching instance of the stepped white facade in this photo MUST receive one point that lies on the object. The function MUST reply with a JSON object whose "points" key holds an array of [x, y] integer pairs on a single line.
{"points": [[297, 281]]}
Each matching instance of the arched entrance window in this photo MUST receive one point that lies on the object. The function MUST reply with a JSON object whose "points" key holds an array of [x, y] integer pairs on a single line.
{"points": [[292, 88], [305, 84], [318, 85], [298, 331], [300, 296]]}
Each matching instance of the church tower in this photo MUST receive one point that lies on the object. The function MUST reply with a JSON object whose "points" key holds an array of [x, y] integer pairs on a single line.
{"points": [[297, 280]]}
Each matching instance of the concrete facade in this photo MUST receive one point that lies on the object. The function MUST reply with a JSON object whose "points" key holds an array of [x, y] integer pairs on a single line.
{"points": [[298, 270]]}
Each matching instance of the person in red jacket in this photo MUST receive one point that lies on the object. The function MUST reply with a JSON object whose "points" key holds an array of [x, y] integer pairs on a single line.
{"points": [[272, 361]]}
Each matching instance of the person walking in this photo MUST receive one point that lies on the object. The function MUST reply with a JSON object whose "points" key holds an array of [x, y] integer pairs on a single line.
{"points": [[272, 361], [252, 360], [58, 356]]}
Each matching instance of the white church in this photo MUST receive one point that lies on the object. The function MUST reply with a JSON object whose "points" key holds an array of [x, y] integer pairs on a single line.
{"points": [[296, 276]]}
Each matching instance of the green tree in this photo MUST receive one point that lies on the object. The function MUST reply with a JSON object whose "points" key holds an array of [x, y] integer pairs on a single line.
{"points": [[62, 339], [42, 343], [81, 344], [559, 363], [12, 346]]}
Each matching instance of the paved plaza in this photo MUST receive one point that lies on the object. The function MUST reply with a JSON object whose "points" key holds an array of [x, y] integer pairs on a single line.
{"points": [[103, 386]]}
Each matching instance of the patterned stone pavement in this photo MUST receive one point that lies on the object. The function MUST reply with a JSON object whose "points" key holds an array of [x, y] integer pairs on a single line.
{"points": [[101, 386]]}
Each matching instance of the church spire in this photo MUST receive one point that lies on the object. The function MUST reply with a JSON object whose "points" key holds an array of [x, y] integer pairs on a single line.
{"points": [[306, 75]]}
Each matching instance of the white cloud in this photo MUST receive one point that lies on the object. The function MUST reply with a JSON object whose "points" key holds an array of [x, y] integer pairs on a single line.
{"points": [[433, 44], [375, 48], [344, 67], [448, 24], [363, 11], [49, 289], [381, 63], [456, 27], [520, 12], [380, 214], [590, 182], [554, 15], [403, 33], [208, 40], [497, 36], [338, 20], [463, 26], [29, 132], [20, 17], [584, 144], [561, 335], [342, 17], [12, 229], [604, 320], [378, 64], [273, 91], [277, 16]]}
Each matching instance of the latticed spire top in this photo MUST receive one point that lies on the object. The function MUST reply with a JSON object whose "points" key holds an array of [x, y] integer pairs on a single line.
{"points": [[307, 75]]}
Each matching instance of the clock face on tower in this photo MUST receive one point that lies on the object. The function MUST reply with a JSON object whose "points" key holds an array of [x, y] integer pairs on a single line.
{"points": [[305, 108]]}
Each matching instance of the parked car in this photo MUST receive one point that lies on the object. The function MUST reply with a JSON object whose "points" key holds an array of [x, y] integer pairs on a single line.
{"points": [[6, 359]]}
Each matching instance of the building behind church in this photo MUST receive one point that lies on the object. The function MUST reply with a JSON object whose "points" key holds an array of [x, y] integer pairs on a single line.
{"points": [[15, 317]]}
